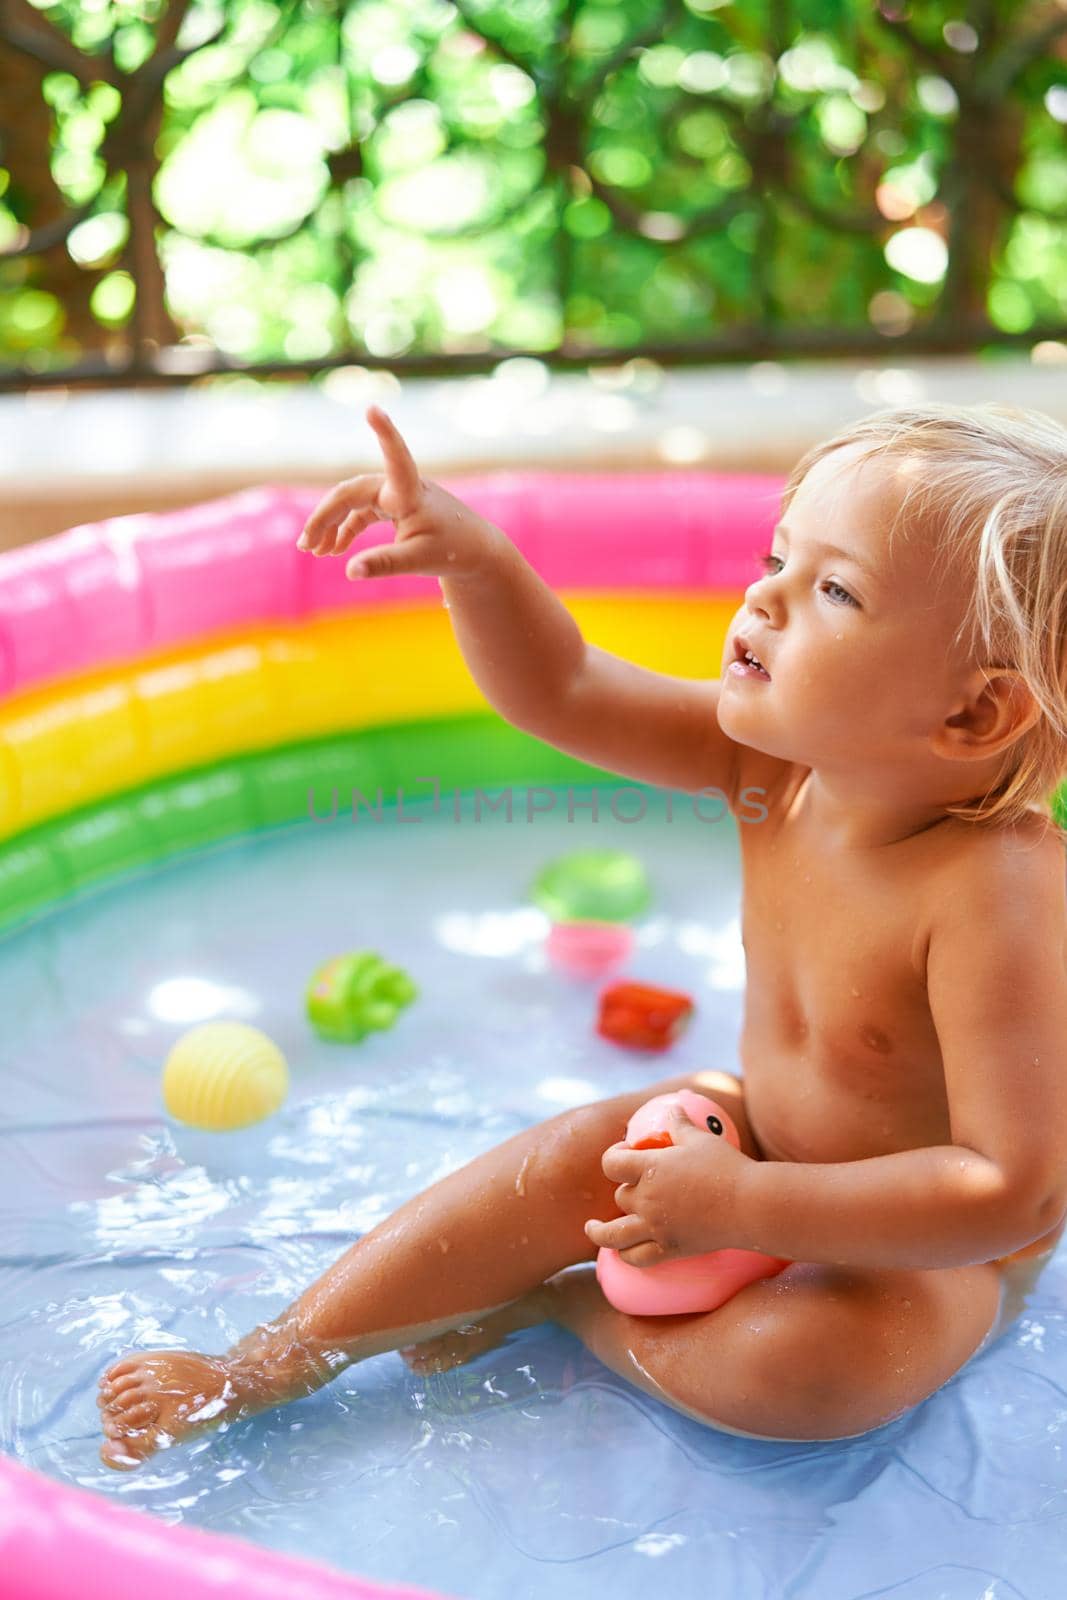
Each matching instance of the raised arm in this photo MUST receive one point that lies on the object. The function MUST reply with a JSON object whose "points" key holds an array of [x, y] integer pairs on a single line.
{"points": [[523, 648]]}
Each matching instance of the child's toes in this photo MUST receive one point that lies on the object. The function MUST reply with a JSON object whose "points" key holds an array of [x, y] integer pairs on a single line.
{"points": [[122, 1399], [127, 1400], [131, 1426], [130, 1432], [119, 1450], [121, 1369], [131, 1417], [113, 1383], [132, 1380]]}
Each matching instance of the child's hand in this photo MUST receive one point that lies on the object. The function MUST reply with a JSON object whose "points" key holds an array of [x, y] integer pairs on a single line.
{"points": [[436, 534], [679, 1201]]}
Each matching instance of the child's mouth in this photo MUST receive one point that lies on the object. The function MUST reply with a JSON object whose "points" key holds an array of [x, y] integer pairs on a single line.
{"points": [[746, 664]]}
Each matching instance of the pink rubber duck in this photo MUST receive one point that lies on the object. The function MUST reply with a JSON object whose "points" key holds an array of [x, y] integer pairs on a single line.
{"points": [[695, 1283]]}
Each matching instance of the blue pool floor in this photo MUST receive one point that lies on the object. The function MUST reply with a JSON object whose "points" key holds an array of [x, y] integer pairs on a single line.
{"points": [[533, 1471]]}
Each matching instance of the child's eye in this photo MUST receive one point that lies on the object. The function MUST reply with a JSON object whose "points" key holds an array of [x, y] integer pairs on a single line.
{"points": [[774, 564]]}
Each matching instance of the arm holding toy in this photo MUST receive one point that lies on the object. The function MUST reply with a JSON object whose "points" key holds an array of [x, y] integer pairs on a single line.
{"points": [[521, 644], [936, 1207], [998, 997]]}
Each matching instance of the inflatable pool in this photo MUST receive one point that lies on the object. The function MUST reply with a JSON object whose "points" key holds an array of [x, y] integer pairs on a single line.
{"points": [[181, 686]]}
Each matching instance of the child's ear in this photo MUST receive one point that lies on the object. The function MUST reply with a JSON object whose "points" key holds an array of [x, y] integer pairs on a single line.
{"points": [[997, 708]]}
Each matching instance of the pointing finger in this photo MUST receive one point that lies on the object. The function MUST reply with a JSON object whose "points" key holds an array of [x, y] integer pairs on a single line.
{"points": [[401, 470]]}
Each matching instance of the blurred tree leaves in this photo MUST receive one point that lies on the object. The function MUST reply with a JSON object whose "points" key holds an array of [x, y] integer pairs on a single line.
{"points": [[297, 181]]}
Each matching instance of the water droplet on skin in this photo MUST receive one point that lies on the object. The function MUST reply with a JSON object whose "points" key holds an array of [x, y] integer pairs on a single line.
{"points": [[807, 877], [444, 1246], [855, 991]]}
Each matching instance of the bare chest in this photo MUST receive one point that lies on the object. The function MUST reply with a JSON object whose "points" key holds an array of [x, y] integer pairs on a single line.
{"points": [[840, 1053]]}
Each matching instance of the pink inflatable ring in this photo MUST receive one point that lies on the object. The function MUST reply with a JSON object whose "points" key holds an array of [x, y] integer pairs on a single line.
{"points": [[696, 1283], [167, 682]]}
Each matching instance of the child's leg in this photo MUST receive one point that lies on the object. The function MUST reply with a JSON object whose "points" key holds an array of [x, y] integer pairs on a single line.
{"points": [[815, 1353], [487, 1235]]}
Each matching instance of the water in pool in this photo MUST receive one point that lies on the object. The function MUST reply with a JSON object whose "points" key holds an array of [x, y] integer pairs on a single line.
{"points": [[533, 1471]]}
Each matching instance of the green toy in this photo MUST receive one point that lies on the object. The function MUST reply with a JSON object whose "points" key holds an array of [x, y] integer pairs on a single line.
{"points": [[357, 994], [593, 886]]}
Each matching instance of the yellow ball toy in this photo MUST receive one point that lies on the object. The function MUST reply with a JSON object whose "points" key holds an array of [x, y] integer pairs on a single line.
{"points": [[224, 1075]]}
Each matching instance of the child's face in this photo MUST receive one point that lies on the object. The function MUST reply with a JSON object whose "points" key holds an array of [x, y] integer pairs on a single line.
{"points": [[857, 645]]}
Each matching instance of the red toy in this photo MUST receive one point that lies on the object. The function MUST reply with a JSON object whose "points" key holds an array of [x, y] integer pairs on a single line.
{"points": [[643, 1017]]}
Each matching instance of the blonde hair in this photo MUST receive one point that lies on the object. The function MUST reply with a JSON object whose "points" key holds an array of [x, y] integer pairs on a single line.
{"points": [[994, 500]]}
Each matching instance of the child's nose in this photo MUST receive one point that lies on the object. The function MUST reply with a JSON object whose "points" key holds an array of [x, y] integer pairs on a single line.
{"points": [[762, 597]]}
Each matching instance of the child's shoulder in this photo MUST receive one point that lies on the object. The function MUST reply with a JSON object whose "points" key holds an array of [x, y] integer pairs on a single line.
{"points": [[994, 916], [1015, 871]]}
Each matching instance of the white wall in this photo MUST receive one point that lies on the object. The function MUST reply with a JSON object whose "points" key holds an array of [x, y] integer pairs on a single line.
{"points": [[68, 456]]}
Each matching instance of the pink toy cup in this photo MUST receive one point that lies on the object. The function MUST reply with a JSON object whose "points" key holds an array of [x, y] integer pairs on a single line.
{"points": [[588, 949]]}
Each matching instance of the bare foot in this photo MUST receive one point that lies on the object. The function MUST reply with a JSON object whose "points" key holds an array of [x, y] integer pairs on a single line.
{"points": [[457, 1346], [151, 1400]]}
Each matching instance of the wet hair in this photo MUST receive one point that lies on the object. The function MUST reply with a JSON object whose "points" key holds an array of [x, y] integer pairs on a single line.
{"points": [[989, 488]]}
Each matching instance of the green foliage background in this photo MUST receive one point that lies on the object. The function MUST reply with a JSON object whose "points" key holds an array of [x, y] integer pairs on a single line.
{"points": [[397, 176]]}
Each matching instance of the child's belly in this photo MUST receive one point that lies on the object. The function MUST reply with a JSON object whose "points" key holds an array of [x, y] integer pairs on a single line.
{"points": [[799, 1110], [814, 1104]]}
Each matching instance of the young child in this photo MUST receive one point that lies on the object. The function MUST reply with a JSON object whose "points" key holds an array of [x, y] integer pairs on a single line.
{"points": [[903, 1112]]}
